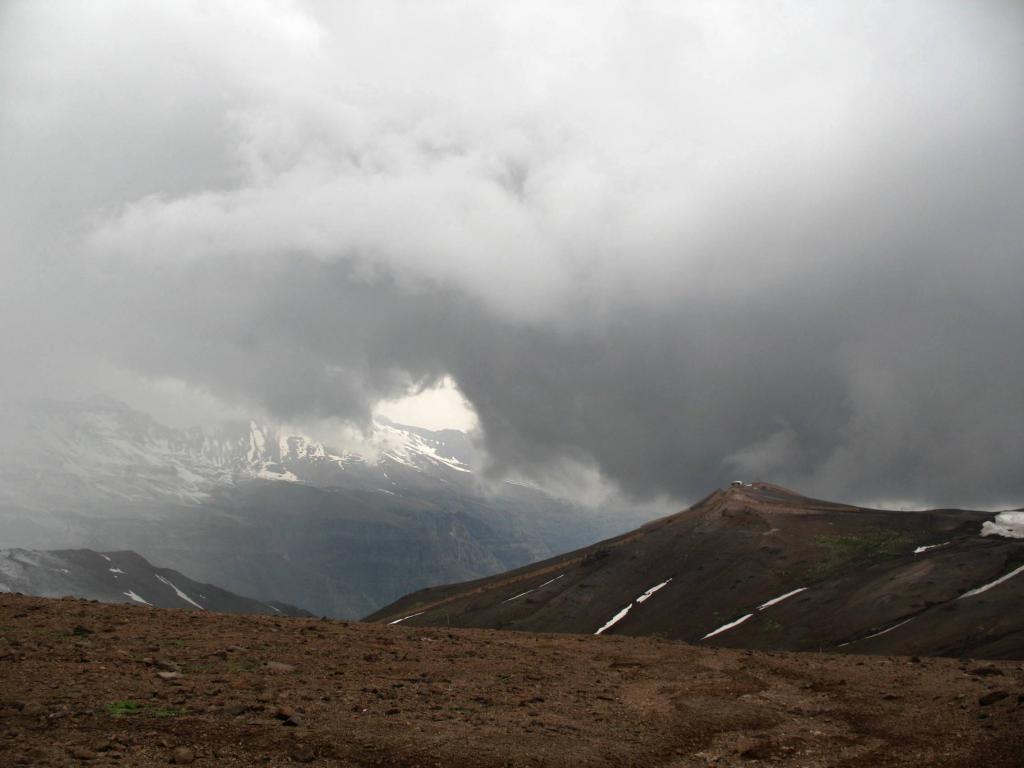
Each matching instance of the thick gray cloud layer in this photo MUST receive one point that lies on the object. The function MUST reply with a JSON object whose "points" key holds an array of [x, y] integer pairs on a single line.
{"points": [[676, 241]]}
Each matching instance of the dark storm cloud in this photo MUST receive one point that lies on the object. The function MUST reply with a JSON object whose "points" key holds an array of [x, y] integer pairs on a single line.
{"points": [[679, 245]]}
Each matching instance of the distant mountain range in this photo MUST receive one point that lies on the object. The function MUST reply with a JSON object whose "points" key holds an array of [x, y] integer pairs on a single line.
{"points": [[758, 566], [271, 513], [120, 577]]}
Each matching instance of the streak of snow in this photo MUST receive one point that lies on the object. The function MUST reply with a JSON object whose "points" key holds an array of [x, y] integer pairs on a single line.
{"points": [[889, 629], [549, 581], [516, 597], [919, 550], [652, 590], [728, 626], [411, 615], [615, 619], [987, 587], [135, 597], [780, 598], [179, 593], [115, 570], [106, 558], [622, 614]]}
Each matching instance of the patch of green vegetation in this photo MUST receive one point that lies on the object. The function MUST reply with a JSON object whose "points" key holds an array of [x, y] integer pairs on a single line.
{"points": [[167, 712], [45, 633], [122, 708], [841, 551], [243, 665], [128, 707]]}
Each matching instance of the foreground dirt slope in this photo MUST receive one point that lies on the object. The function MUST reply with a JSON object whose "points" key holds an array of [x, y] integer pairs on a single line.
{"points": [[91, 684]]}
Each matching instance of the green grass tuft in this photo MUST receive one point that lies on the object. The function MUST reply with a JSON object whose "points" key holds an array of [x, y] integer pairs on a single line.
{"points": [[122, 708]]}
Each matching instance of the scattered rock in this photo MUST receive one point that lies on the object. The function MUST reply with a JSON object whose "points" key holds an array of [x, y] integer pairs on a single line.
{"points": [[988, 671], [168, 675], [277, 666], [991, 698], [302, 753], [81, 753], [760, 751], [183, 756]]}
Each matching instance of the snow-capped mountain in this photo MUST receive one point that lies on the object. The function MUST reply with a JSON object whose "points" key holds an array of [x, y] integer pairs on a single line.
{"points": [[266, 511], [100, 449]]}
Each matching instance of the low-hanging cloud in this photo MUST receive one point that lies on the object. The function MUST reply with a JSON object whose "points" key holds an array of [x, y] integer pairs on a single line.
{"points": [[675, 242]]}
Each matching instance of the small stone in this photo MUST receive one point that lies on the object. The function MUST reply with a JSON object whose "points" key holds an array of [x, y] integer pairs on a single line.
{"points": [[760, 751], [183, 756], [277, 666], [302, 753], [81, 753], [992, 698], [284, 712], [168, 675], [988, 671]]}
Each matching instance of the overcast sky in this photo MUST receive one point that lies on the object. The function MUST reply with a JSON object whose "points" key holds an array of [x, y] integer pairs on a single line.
{"points": [[676, 242]]}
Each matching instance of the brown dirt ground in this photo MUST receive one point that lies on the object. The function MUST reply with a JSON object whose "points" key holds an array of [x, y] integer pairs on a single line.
{"points": [[80, 685]]}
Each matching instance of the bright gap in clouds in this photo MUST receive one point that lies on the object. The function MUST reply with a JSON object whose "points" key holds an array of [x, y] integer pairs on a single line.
{"points": [[439, 407]]}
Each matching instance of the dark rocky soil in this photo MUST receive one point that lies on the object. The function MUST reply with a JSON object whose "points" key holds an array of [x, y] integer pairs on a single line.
{"points": [[83, 683]]}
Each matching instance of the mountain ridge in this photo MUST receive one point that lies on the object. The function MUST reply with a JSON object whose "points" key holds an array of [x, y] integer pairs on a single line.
{"points": [[271, 512], [763, 567], [121, 577]]}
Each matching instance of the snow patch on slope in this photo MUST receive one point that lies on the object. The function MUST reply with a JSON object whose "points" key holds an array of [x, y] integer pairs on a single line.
{"points": [[179, 593], [622, 614], [135, 597], [410, 616], [919, 550], [780, 598], [521, 594], [1008, 524], [987, 587], [727, 627]]}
